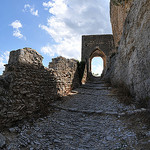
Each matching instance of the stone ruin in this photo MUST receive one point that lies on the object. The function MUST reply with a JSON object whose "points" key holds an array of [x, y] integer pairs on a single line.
{"points": [[96, 46], [27, 87], [126, 53]]}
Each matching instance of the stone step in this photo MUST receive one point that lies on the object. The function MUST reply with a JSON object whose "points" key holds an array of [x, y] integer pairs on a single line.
{"points": [[101, 112], [94, 88], [93, 85], [93, 82]]}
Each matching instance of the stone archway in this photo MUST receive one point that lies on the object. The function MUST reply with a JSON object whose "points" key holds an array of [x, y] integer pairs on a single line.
{"points": [[94, 46], [97, 53]]}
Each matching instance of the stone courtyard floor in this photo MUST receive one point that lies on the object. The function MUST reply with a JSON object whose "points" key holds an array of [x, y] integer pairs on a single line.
{"points": [[90, 118]]}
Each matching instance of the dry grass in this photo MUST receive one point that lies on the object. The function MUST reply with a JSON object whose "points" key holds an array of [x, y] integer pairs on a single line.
{"points": [[122, 93], [123, 96]]}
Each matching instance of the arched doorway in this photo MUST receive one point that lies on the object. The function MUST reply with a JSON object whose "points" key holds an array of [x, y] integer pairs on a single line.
{"points": [[94, 46], [97, 53]]}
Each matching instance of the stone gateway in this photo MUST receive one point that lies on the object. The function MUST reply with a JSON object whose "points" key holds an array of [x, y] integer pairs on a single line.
{"points": [[96, 46]]}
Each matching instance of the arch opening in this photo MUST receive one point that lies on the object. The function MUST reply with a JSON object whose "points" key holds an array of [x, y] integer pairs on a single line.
{"points": [[100, 64], [97, 66]]}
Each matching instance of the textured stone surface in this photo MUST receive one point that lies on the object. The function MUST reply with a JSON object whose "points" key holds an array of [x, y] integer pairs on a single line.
{"points": [[118, 14], [28, 87], [92, 42], [2, 140], [132, 63], [67, 74], [75, 125], [94, 46], [26, 55]]}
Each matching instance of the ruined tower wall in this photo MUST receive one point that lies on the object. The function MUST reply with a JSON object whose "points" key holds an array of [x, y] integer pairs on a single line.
{"points": [[92, 42], [28, 87], [104, 44], [67, 74], [131, 65]]}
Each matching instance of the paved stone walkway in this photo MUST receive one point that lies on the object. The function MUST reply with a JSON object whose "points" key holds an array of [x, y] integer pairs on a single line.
{"points": [[91, 118]]}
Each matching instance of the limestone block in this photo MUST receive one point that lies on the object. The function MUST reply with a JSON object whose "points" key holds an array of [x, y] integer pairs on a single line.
{"points": [[26, 55]]}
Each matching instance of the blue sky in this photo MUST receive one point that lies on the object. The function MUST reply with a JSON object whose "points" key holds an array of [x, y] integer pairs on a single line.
{"points": [[52, 27], [97, 66]]}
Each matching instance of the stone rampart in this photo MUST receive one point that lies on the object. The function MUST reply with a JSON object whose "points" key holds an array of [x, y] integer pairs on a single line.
{"points": [[27, 87]]}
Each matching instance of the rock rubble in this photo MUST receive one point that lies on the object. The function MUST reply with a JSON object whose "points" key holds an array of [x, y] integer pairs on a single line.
{"points": [[74, 128]]}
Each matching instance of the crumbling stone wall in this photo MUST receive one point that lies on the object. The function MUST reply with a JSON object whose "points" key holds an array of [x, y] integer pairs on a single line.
{"points": [[131, 66], [67, 74], [27, 87]]}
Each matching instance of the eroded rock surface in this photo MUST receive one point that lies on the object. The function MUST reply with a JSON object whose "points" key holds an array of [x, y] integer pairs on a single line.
{"points": [[131, 65], [118, 14]]}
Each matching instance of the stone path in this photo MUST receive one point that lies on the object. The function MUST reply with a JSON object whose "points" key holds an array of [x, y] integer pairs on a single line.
{"points": [[91, 118]]}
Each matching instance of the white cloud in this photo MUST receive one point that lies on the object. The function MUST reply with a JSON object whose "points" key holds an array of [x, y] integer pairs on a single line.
{"points": [[72, 18], [3, 60], [16, 24], [47, 50], [17, 33], [97, 69], [47, 5], [31, 9]]}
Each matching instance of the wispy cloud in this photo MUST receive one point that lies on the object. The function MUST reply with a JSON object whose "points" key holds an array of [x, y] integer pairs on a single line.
{"points": [[47, 5], [16, 26], [31, 9], [3, 60], [72, 18], [47, 50]]}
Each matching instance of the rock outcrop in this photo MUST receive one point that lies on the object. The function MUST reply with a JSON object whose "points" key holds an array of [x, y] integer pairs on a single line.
{"points": [[131, 65], [118, 14]]}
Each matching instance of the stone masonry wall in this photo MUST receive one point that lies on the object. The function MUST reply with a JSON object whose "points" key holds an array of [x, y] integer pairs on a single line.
{"points": [[27, 87], [131, 66], [67, 74], [118, 14]]}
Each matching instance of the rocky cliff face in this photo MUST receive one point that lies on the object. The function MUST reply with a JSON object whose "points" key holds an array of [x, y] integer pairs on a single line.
{"points": [[131, 66], [118, 14]]}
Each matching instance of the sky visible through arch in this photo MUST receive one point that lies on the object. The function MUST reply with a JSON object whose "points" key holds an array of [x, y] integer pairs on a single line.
{"points": [[52, 27], [97, 66]]}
